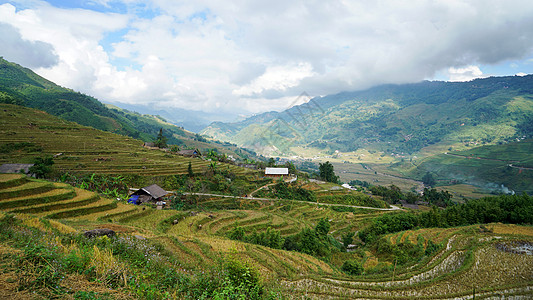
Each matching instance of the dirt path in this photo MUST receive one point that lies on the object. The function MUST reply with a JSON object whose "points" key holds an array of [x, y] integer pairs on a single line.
{"points": [[288, 180], [521, 168]]}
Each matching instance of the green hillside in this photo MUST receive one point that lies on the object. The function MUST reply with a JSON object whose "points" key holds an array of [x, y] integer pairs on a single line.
{"points": [[396, 118], [23, 87], [494, 168], [397, 129], [27, 133], [193, 254]]}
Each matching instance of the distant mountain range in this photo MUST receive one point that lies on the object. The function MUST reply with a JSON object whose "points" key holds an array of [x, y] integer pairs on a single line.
{"points": [[190, 120], [21, 86], [394, 118]]}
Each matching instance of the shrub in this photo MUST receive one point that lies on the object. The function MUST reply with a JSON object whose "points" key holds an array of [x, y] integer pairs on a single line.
{"points": [[244, 281], [237, 233], [352, 267], [42, 166], [347, 239]]}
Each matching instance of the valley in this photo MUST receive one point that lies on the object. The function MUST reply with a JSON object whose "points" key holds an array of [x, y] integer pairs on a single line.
{"points": [[404, 130], [434, 209]]}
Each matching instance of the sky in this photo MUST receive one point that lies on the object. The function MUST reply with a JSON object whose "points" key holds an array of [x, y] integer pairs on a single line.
{"points": [[239, 58]]}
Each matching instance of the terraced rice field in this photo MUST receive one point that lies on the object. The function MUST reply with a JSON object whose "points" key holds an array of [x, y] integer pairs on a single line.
{"points": [[81, 149], [468, 264], [468, 259], [198, 237], [21, 194]]}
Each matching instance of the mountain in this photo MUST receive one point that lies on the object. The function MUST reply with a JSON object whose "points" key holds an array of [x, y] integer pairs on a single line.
{"points": [[394, 118], [190, 120], [21, 86]]}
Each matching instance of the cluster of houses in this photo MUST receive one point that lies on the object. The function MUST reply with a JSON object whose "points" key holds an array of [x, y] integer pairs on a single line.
{"points": [[150, 194], [156, 195]]}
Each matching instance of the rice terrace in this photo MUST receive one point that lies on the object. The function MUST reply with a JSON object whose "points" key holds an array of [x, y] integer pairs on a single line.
{"points": [[303, 239], [266, 150]]}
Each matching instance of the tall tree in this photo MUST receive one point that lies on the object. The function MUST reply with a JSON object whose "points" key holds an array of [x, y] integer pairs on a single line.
{"points": [[428, 179], [291, 167], [271, 162], [161, 140], [327, 173], [189, 170]]}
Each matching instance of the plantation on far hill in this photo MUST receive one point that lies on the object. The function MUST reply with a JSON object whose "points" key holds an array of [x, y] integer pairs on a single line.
{"points": [[497, 169]]}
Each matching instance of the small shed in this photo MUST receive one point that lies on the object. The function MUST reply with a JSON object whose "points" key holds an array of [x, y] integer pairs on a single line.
{"points": [[276, 172], [15, 168], [190, 153], [152, 193], [347, 186]]}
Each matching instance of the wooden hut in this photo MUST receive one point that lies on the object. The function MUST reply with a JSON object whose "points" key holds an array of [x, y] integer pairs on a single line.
{"points": [[152, 193], [190, 153]]}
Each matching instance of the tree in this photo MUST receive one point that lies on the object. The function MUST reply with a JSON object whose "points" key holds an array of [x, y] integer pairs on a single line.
{"points": [[161, 140], [189, 170], [42, 166], [271, 162], [291, 167], [352, 267], [428, 179], [327, 173], [322, 228], [347, 238]]}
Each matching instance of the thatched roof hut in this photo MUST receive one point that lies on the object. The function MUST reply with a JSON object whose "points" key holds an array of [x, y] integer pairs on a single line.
{"points": [[190, 153]]}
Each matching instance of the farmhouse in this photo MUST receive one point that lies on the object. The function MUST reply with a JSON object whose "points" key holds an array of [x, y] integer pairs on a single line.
{"points": [[190, 153], [15, 168], [276, 172], [152, 193]]}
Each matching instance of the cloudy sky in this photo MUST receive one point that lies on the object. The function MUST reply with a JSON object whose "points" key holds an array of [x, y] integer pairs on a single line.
{"points": [[244, 57]]}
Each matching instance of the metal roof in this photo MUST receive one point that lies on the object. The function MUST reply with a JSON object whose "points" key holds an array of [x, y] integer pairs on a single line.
{"points": [[15, 168], [276, 171], [155, 191]]}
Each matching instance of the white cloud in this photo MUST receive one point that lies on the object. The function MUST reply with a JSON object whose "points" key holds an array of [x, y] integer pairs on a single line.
{"points": [[276, 78], [32, 54], [248, 56], [465, 74], [74, 34]]}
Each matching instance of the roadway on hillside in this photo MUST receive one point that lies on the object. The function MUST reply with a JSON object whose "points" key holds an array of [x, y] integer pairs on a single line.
{"points": [[491, 159], [288, 180], [393, 207]]}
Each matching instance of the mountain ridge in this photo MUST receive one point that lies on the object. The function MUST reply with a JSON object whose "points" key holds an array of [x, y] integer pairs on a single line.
{"points": [[384, 114]]}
